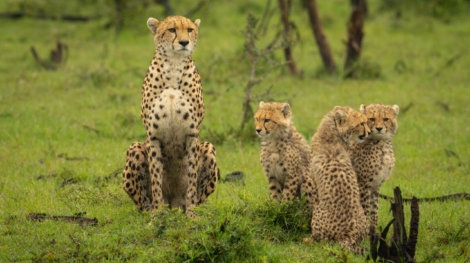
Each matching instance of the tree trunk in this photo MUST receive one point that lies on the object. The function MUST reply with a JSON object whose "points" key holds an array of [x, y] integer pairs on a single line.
{"points": [[322, 43], [362, 4], [286, 32], [355, 35], [166, 4], [118, 16]]}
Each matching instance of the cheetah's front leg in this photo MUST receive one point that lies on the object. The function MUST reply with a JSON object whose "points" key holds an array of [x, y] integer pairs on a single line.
{"points": [[292, 183], [374, 209], [275, 188], [192, 152], [209, 172], [154, 152], [311, 195], [136, 176]]}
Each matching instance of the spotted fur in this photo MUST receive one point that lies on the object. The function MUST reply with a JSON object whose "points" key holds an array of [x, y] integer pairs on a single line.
{"points": [[173, 167], [285, 154], [373, 160], [338, 215]]}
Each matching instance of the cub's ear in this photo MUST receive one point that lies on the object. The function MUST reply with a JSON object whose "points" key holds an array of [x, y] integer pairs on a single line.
{"points": [[261, 103], [362, 108], [395, 109], [285, 109], [340, 117], [197, 22], [152, 24]]}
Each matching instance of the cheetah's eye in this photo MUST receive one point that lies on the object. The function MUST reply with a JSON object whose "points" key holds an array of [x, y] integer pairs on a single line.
{"points": [[172, 30], [190, 30], [266, 120], [385, 119], [372, 119]]}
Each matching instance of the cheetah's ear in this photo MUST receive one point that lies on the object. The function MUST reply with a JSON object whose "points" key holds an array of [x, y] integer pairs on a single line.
{"points": [[362, 108], [152, 24], [197, 22], [395, 109], [340, 117], [285, 109], [261, 103]]}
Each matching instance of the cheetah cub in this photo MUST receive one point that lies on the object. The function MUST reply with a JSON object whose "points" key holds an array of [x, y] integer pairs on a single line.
{"points": [[337, 214], [172, 166], [285, 154], [373, 160]]}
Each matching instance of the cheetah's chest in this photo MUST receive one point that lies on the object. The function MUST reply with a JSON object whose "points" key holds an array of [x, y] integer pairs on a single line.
{"points": [[173, 116], [379, 160], [276, 160], [387, 163], [171, 104]]}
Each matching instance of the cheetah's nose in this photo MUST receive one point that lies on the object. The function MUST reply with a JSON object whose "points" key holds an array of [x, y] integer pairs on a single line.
{"points": [[258, 131], [378, 129], [184, 42]]}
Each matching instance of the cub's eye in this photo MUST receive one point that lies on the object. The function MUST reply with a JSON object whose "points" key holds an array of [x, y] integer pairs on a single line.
{"points": [[190, 30], [372, 119], [172, 30], [362, 123], [385, 119], [266, 120]]}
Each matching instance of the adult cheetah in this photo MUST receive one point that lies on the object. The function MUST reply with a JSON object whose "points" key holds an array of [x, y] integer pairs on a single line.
{"points": [[373, 160], [171, 167], [285, 154], [337, 214]]}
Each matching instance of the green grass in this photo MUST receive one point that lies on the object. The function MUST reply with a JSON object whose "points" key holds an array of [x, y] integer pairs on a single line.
{"points": [[90, 108]]}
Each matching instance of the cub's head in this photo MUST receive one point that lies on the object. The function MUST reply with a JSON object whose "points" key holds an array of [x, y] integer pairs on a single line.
{"points": [[272, 118], [381, 119], [175, 35], [351, 125]]}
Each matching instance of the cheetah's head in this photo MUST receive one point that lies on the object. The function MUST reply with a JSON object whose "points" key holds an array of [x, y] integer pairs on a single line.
{"points": [[350, 124], [272, 118], [381, 119], [175, 35]]}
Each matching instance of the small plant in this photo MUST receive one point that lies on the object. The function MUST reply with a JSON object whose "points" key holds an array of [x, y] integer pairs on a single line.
{"points": [[256, 54], [284, 221], [364, 69], [223, 242]]}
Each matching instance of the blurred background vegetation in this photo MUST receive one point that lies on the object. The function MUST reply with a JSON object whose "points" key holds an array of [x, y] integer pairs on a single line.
{"points": [[71, 74]]}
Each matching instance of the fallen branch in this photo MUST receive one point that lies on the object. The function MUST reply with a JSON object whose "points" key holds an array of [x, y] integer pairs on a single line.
{"points": [[70, 18], [88, 127], [57, 56], [67, 158], [235, 176], [451, 197], [82, 221], [43, 177], [448, 64]]}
